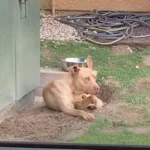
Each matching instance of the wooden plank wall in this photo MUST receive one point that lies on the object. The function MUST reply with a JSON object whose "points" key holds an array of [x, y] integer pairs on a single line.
{"points": [[108, 5]]}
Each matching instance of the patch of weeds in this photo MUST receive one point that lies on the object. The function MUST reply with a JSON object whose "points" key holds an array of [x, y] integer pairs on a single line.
{"points": [[143, 50], [137, 98], [95, 134], [119, 123], [99, 124], [125, 67], [144, 123], [146, 113]]}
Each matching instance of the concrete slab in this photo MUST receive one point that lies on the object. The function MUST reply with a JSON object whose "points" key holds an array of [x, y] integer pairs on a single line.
{"points": [[47, 75]]}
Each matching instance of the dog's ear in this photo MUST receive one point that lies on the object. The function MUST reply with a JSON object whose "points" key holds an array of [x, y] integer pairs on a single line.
{"points": [[75, 69], [89, 62]]}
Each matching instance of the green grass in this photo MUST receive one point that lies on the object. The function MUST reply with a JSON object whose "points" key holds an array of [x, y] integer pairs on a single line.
{"points": [[137, 98], [122, 67], [96, 134], [146, 113]]}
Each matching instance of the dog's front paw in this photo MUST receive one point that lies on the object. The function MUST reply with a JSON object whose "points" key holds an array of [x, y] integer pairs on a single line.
{"points": [[88, 116]]}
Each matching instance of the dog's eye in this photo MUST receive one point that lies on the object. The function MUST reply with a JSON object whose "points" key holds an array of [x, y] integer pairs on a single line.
{"points": [[87, 78]]}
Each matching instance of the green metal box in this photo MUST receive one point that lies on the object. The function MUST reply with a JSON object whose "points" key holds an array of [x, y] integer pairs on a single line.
{"points": [[19, 49]]}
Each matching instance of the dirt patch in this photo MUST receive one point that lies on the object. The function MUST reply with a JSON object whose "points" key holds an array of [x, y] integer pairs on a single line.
{"points": [[41, 124], [140, 130], [142, 30], [108, 90], [140, 85], [143, 83], [121, 112], [146, 60], [38, 124], [121, 50], [71, 134]]}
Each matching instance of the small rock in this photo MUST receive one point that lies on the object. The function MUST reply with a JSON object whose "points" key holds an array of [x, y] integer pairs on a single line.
{"points": [[137, 67]]}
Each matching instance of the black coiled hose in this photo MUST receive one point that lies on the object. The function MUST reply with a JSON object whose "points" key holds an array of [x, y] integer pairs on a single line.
{"points": [[101, 25]]}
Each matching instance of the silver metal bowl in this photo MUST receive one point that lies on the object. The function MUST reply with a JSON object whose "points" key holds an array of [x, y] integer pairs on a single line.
{"points": [[68, 62]]}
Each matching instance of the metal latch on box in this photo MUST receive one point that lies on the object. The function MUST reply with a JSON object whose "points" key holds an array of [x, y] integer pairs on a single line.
{"points": [[23, 8]]}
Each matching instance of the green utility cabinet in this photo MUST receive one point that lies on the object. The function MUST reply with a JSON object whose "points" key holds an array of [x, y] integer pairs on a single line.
{"points": [[19, 49]]}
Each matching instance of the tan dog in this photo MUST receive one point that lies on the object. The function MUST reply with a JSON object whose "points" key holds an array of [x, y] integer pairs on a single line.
{"points": [[61, 94]]}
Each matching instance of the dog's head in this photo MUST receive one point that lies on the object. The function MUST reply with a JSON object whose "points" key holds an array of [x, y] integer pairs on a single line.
{"points": [[84, 79]]}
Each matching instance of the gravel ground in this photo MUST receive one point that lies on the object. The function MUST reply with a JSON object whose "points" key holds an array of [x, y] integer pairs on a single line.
{"points": [[52, 29]]}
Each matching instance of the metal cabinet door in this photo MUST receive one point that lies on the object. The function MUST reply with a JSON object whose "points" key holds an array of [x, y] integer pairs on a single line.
{"points": [[27, 46], [7, 54]]}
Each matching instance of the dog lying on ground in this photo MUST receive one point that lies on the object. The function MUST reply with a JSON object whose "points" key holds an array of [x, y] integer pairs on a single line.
{"points": [[74, 91]]}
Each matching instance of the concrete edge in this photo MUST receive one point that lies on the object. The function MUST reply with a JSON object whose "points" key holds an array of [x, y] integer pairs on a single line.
{"points": [[16, 106]]}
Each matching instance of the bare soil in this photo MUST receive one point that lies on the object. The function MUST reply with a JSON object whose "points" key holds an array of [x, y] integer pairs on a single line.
{"points": [[142, 30], [146, 60], [140, 85], [38, 123], [121, 49]]}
